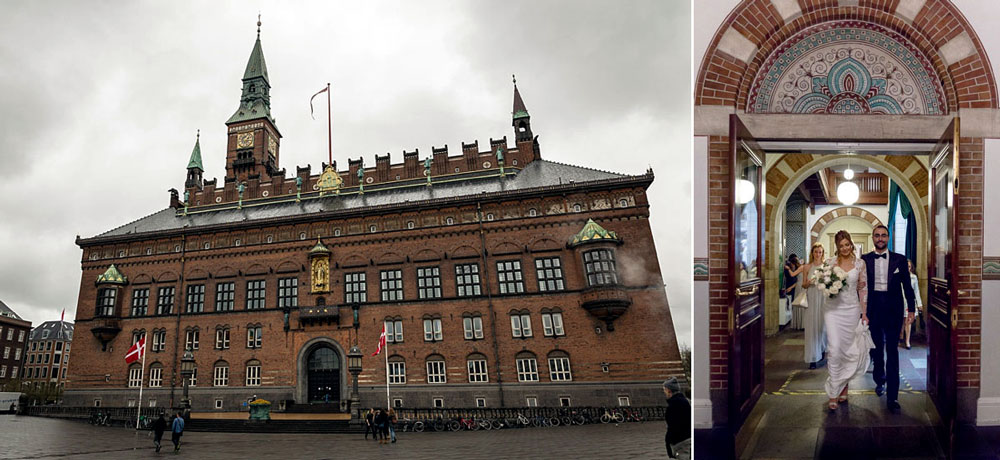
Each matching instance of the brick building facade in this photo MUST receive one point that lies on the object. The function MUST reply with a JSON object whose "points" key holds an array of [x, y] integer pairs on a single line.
{"points": [[13, 341], [503, 279]]}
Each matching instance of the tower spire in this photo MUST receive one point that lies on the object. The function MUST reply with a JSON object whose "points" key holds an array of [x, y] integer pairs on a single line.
{"points": [[520, 118], [194, 167]]}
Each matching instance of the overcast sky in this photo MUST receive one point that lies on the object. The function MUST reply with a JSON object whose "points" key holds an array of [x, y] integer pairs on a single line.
{"points": [[101, 102]]}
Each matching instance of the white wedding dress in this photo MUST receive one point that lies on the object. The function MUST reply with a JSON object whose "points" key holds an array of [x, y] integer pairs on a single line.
{"points": [[847, 357]]}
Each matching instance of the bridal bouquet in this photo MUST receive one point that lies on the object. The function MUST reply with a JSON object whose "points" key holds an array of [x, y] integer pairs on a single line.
{"points": [[830, 279]]}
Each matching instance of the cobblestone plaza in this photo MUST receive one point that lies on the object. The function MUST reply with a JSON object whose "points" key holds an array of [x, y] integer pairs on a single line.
{"points": [[41, 438]]}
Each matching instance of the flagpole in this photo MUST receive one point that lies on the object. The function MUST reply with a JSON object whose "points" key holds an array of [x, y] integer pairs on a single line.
{"points": [[388, 405], [142, 373], [329, 126]]}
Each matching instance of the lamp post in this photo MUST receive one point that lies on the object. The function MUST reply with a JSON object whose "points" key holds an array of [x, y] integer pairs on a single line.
{"points": [[188, 367], [354, 367]]}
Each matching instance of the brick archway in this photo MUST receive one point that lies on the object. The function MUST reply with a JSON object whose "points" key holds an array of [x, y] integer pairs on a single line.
{"points": [[853, 211], [756, 28]]}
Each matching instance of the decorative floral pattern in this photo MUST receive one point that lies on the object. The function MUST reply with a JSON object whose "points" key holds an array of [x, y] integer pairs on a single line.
{"points": [[847, 67]]}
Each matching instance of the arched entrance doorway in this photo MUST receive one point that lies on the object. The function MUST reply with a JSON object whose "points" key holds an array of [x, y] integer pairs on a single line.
{"points": [[323, 374]]}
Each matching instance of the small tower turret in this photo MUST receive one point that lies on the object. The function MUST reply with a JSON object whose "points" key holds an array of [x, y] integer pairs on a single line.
{"points": [[194, 167]]}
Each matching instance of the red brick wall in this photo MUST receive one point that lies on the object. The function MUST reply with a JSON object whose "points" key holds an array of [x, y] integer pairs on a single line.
{"points": [[970, 264]]}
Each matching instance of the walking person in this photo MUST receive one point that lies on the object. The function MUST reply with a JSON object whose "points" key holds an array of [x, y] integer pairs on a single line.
{"points": [[176, 431], [890, 283], [381, 420], [908, 320], [815, 335], [678, 418], [159, 426], [845, 359], [392, 424], [370, 424]]}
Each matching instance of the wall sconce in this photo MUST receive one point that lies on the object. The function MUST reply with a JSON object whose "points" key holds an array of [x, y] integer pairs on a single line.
{"points": [[605, 367], [598, 330]]}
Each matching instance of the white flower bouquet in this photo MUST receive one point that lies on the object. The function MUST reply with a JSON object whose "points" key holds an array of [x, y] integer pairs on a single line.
{"points": [[830, 279]]}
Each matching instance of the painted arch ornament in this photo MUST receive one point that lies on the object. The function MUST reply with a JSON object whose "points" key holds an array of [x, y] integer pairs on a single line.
{"points": [[847, 67]]}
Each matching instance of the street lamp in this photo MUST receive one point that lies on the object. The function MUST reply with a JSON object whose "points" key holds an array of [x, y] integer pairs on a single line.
{"points": [[354, 367], [188, 367]]}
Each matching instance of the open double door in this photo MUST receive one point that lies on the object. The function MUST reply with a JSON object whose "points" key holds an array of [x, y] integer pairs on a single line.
{"points": [[746, 284]]}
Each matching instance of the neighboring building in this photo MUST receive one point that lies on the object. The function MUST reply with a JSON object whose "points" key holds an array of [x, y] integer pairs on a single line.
{"points": [[48, 354], [503, 280], [13, 340]]}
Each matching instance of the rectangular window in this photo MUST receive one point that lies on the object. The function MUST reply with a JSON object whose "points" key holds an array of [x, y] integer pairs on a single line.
{"points": [[256, 290], [6, 352], [134, 377], [17, 355], [221, 376], [218, 404], [477, 371], [13, 372], [550, 275], [480, 402], [355, 288], [222, 339], [473, 326], [438, 402], [564, 401], [432, 330], [165, 300], [196, 298], [105, 304], [155, 377], [467, 280], [159, 340], [255, 336], [20, 336], [509, 275], [394, 331], [59, 346], [46, 358], [253, 375], [397, 403], [33, 344], [140, 301], [3, 371], [624, 401], [288, 292], [527, 370], [191, 339], [392, 285], [436, 372], [152, 403], [599, 265], [31, 359], [520, 325], [531, 401], [552, 324], [429, 282], [97, 402], [131, 402], [55, 358], [397, 372], [225, 295], [559, 369]]}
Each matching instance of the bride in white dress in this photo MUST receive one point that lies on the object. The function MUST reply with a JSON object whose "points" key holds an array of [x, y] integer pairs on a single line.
{"points": [[841, 313]]}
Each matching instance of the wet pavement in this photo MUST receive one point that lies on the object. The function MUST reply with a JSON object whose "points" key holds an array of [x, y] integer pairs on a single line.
{"points": [[23, 437]]}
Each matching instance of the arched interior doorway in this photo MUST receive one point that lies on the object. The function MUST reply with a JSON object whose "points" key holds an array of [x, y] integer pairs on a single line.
{"points": [[323, 373]]}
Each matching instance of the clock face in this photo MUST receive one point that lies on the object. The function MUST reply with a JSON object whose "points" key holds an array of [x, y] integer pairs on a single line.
{"points": [[244, 140], [272, 146]]}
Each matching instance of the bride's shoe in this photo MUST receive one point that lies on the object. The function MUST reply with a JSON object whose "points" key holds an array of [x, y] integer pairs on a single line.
{"points": [[843, 396], [832, 405]]}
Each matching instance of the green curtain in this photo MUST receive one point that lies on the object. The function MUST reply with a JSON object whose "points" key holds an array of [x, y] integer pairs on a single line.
{"points": [[897, 197]]}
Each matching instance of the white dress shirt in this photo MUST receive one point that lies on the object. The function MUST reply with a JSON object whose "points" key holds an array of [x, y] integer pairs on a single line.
{"points": [[882, 272]]}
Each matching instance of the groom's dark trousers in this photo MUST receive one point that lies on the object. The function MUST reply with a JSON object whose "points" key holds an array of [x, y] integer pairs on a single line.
{"points": [[885, 321]]}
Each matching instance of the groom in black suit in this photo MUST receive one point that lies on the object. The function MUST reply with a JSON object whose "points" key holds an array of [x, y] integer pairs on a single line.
{"points": [[888, 283]]}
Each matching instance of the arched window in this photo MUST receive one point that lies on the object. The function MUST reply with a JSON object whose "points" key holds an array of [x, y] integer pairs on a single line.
{"points": [[253, 373], [552, 322], [436, 370], [476, 364], [222, 337], [559, 370], [532, 212], [520, 324], [394, 329], [155, 375], [472, 323], [397, 370], [527, 367], [220, 376], [134, 375], [255, 335], [192, 338], [432, 329]]}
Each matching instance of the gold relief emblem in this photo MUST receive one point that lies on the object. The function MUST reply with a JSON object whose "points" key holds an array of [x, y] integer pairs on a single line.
{"points": [[244, 140], [320, 274], [329, 181], [272, 145]]}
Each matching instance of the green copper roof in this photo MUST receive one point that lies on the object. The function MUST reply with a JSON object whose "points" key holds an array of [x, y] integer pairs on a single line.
{"points": [[520, 111], [593, 233], [111, 275], [319, 248], [520, 114], [251, 110], [195, 161], [256, 67]]}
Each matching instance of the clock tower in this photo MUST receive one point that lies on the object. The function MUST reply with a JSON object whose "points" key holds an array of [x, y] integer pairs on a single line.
{"points": [[252, 147]]}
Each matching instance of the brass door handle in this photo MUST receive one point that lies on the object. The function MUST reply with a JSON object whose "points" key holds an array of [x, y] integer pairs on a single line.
{"points": [[962, 293], [751, 291], [954, 317]]}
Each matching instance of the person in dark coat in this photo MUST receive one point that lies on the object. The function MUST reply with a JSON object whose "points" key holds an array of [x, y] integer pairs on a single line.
{"points": [[159, 426], [370, 424], [382, 425], [678, 418]]}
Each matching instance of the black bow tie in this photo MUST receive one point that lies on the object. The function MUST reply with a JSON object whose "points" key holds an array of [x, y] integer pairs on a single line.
{"points": [[882, 256]]}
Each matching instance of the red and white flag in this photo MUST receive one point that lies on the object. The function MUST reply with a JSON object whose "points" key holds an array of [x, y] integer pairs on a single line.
{"points": [[135, 353], [63, 317], [314, 97], [381, 341]]}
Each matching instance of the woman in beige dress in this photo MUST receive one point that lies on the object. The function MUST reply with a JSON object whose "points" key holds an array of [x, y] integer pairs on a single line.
{"points": [[812, 321]]}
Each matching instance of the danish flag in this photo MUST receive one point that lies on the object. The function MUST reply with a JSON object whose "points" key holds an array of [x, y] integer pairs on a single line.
{"points": [[381, 342], [137, 351]]}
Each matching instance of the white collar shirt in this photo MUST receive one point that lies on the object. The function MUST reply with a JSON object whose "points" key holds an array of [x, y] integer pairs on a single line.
{"points": [[882, 272]]}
